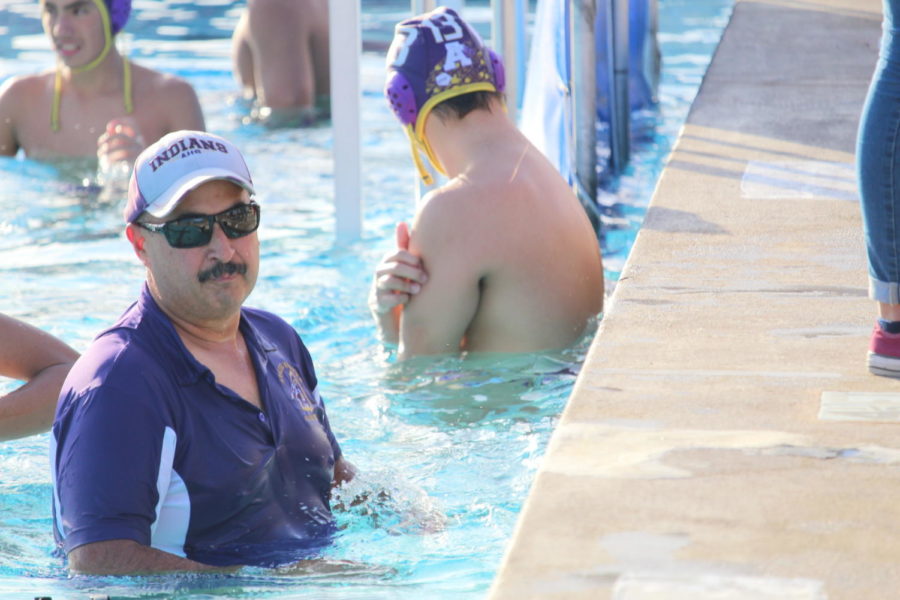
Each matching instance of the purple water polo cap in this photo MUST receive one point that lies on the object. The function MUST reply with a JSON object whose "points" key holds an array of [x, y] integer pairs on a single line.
{"points": [[176, 164], [435, 56], [119, 11]]}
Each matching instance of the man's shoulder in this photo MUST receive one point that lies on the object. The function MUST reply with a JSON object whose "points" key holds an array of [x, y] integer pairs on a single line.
{"points": [[124, 345], [24, 87], [138, 341]]}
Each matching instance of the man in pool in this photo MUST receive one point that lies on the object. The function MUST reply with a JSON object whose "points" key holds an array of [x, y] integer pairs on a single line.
{"points": [[281, 60], [501, 258], [95, 102], [190, 436]]}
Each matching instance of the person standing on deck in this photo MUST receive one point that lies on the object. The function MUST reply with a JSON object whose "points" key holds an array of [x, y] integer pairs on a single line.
{"points": [[501, 258], [95, 102], [878, 168]]}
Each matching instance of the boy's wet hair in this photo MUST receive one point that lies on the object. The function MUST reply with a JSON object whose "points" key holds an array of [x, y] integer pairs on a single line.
{"points": [[459, 106]]}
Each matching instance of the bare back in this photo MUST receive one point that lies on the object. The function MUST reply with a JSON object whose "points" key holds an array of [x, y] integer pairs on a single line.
{"points": [[513, 262], [280, 52]]}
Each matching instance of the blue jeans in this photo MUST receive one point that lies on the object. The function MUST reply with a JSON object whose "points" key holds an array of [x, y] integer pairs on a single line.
{"points": [[878, 164]]}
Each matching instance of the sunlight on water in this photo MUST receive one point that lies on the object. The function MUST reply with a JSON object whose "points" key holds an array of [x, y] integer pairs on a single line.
{"points": [[447, 448]]}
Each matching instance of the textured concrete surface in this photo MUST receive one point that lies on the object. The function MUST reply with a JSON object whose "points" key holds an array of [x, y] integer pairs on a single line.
{"points": [[724, 439]]}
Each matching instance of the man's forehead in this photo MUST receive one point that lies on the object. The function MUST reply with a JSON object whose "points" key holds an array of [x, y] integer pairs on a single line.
{"points": [[209, 194]]}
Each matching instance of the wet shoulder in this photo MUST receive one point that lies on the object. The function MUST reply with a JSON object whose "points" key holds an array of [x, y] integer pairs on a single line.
{"points": [[157, 84], [116, 359], [25, 88], [451, 215], [167, 103]]}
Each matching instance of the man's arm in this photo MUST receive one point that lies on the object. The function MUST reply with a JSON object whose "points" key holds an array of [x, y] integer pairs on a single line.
{"points": [[32, 355], [127, 557], [435, 320], [344, 471]]}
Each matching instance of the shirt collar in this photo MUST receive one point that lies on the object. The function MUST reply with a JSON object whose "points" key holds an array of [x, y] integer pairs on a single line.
{"points": [[187, 369]]}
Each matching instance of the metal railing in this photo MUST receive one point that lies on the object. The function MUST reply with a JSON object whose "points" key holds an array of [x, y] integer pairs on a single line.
{"points": [[346, 46]]}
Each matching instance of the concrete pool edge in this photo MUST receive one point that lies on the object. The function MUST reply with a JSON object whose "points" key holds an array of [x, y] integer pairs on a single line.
{"points": [[718, 439]]}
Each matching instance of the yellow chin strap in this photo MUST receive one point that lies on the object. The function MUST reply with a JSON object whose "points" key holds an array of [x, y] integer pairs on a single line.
{"points": [[416, 132], [107, 46]]}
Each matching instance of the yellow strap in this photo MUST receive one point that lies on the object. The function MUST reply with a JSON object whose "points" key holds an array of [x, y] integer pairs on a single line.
{"points": [[126, 86], [107, 38], [417, 156], [127, 96], [57, 94]]}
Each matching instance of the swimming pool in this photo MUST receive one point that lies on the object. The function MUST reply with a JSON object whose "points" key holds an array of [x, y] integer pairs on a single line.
{"points": [[455, 437]]}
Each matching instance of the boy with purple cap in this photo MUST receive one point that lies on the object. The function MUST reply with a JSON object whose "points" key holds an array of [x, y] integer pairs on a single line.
{"points": [[95, 102], [502, 257], [191, 436]]}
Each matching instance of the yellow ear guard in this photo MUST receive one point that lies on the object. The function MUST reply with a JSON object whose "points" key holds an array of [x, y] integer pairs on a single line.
{"points": [[107, 46]]}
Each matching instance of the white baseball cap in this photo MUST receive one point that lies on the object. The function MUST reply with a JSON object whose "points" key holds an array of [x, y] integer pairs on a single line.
{"points": [[176, 164]]}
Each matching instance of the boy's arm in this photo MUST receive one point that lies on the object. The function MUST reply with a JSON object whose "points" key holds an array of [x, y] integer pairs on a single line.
{"points": [[398, 277], [435, 320]]}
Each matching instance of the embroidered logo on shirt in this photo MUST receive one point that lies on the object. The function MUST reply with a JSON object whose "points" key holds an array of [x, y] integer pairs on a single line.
{"points": [[287, 374]]}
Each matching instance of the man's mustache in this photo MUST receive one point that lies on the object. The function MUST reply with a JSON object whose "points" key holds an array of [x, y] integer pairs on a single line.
{"points": [[219, 269]]}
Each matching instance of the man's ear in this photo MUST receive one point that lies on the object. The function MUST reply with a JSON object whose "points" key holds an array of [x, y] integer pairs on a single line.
{"points": [[136, 237]]}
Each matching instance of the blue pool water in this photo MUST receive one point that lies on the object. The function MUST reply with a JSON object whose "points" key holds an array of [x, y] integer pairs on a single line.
{"points": [[457, 442]]}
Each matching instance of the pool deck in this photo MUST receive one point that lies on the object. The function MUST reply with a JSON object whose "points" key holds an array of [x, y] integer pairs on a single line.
{"points": [[724, 439]]}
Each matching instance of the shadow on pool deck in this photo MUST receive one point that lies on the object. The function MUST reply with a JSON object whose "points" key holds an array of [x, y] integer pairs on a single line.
{"points": [[724, 439]]}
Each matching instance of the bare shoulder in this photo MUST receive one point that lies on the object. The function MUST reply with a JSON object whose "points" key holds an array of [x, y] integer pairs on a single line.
{"points": [[450, 214], [157, 84], [21, 88], [21, 98], [169, 103]]}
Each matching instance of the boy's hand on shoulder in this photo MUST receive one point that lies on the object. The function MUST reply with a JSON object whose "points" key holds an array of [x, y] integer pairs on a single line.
{"points": [[399, 276]]}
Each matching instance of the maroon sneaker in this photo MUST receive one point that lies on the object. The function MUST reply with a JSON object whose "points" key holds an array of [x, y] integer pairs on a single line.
{"points": [[884, 353]]}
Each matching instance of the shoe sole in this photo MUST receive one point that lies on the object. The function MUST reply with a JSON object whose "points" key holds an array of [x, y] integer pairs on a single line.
{"points": [[885, 366]]}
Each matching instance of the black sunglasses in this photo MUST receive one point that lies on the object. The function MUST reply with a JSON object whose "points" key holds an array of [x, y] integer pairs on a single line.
{"points": [[193, 231]]}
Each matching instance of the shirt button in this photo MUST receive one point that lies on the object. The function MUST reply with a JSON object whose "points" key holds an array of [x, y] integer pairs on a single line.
{"points": [[262, 417]]}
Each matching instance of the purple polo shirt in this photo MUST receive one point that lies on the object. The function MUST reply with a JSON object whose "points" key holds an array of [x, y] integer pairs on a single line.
{"points": [[147, 446]]}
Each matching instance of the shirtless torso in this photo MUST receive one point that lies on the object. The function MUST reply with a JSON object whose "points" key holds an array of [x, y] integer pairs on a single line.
{"points": [[280, 57], [162, 103], [513, 263]]}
